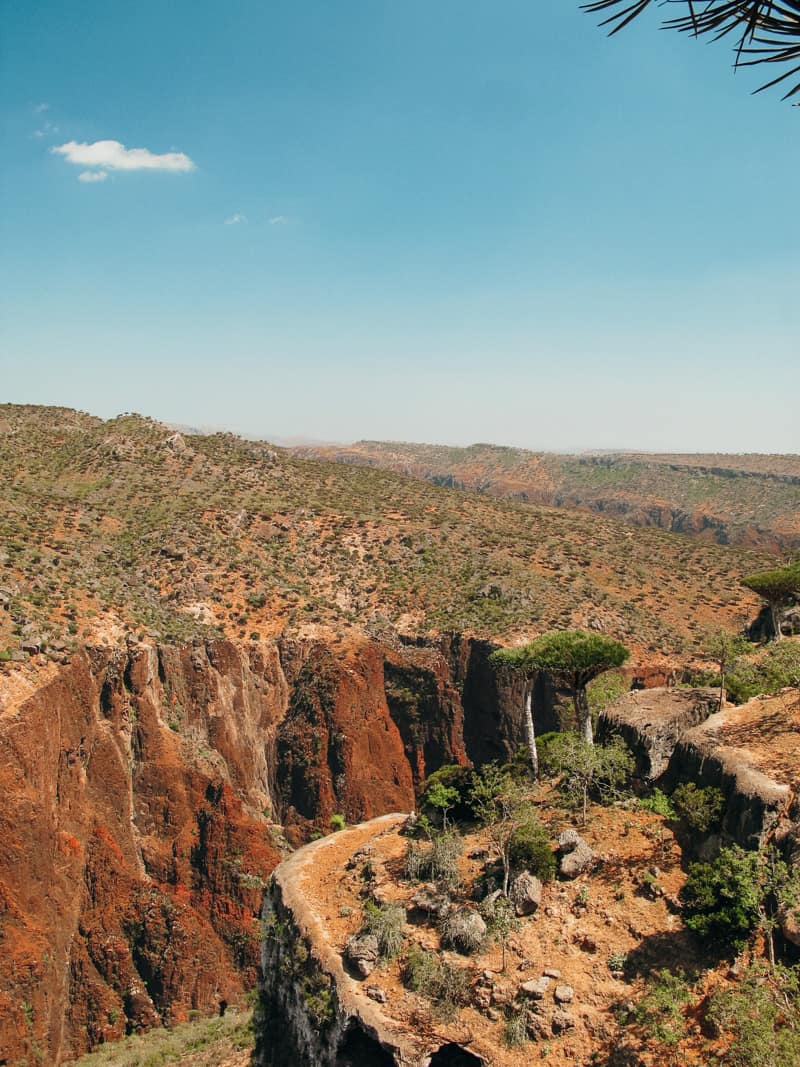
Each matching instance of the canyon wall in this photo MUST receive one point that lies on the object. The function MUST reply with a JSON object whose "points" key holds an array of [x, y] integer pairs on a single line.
{"points": [[146, 790]]}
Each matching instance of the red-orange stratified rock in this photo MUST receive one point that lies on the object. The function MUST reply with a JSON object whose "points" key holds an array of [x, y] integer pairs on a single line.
{"points": [[139, 785]]}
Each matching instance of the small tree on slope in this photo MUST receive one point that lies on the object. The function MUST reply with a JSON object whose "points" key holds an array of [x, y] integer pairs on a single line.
{"points": [[573, 658], [777, 587]]}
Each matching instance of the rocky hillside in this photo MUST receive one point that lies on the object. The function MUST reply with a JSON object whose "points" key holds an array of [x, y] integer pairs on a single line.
{"points": [[120, 525], [747, 500]]}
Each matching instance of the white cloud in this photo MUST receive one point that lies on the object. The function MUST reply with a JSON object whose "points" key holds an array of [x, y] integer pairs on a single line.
{"points": [[116, 156], [41, 107], [278, 220], [93, 176], [234, 219]]}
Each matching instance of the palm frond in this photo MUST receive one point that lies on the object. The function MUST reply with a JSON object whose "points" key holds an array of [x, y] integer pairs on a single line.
{"points": [[766, 31]]}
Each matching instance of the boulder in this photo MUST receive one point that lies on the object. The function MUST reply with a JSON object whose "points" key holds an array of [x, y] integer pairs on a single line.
{"points": [[361, 952], [525, 893], [430, 900], [535, 989], [575, 859], [464, 930], [569, 840]]}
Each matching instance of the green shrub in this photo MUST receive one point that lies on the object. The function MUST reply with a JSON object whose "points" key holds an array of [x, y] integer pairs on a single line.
{"points": [[605, 689], [721, 898], [659, 803], [584, 770], [776, 668], [660, 1011], [452, 781], [337, 822], [515, 1029], [761, 1014], [700, 808], [530, 849]]}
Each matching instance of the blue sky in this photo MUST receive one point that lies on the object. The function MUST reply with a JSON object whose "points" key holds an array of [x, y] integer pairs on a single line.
{"points": [[444, 221]]}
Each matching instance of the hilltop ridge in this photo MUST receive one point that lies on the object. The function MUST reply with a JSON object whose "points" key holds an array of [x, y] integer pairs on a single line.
{"points": [[738, 499]]}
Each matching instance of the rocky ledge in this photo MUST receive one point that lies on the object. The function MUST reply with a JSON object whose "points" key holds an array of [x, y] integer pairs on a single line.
{"points": [[314, 1014]]}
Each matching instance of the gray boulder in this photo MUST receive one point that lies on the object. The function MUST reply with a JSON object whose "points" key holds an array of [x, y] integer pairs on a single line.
{"points": [[525, 893], [576, 855], [464, 930], [535, 989], [362, 954], [577, 861]]}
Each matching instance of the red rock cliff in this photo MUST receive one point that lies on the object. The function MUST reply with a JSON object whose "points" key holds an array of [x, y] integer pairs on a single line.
{"points": [[140, 784]]}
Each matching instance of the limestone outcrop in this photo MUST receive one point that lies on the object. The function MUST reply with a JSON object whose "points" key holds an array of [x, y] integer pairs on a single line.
{"points": [[652, 721]]}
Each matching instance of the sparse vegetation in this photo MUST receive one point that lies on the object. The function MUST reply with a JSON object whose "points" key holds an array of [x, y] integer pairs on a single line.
{"points": [[104, 522], [700, 808], [760, 1016], [385, 923], [586, 770], [206, 1041], [446, 986]]}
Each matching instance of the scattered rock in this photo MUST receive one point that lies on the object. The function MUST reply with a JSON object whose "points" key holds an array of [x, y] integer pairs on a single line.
{"points": [[362, 954], [561, 1021], [478, 854], [588, 944], [536, 988], [175, 443], [525, 893], [568, 841], [431, 901], [538, 1027], [374, 992], [577, 861], [564, 994], [552, 972], [482, 997]]}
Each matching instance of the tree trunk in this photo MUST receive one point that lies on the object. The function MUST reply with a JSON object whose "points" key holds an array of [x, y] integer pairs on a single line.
{"points": [[721, 687], [583, 714], [529, 728], [776, 622]]}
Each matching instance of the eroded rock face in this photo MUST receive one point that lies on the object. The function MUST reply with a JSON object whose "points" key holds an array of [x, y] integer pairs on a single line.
{"points": [[652, 721], [132, 855], [140, 783]]}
